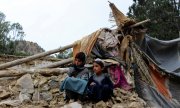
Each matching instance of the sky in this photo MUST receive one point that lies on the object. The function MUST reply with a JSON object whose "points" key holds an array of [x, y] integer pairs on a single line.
{"points": [[56, 23]]}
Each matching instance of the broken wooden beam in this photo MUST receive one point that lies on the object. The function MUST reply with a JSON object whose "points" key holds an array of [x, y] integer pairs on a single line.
{"points": [[139, 23], [59, 63], [53, 71], [48, 72], [33, 57]]}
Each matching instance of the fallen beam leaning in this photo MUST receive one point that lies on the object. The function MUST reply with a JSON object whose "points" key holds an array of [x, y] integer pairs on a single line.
{"points": [[33, 57], [48, 72], [59, 63]]}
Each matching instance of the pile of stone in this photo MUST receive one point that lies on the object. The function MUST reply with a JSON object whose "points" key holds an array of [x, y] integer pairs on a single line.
{"points": [[35, 90]]}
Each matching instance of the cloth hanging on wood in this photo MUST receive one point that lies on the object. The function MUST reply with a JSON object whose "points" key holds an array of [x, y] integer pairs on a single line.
{"points": [[118, 77], [86, 44], [107, 39], [160, 81]]}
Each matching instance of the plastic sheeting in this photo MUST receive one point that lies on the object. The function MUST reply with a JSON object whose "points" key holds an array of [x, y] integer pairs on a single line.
{"points": [[166, 54], [151, 95]]}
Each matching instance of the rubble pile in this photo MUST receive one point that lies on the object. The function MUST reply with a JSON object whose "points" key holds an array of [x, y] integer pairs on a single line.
{"points": [[35, 90], [22, 86]]}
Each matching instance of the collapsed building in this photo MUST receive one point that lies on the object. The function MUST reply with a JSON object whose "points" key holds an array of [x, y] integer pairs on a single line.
{"points": [[150, 66]]}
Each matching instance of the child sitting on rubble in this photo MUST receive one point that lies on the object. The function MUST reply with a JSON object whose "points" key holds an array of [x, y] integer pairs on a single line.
{"points": [[99, 86], [76, 82]]}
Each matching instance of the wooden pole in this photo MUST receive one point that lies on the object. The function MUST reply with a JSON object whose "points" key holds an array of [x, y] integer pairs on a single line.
{"points": [[10, 73], [139, 23], [59, 63], [49, 72], [53, 71], [33, 57]]}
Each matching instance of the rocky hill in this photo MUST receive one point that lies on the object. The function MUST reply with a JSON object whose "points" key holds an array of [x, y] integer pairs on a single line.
{"points": [[28, 47]]}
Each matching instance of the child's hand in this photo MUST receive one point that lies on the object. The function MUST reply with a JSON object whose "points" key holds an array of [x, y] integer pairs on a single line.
{"points": [[92, 84]]}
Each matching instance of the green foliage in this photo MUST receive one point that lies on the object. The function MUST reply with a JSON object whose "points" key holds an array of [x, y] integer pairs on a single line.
{"points": [[164, 15], [21, 54], [8, 34], [65, 54], [16, 32]]}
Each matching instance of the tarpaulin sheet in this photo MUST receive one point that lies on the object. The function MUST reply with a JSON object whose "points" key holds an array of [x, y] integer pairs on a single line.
{"points": [[166, 54], [151, 95]]}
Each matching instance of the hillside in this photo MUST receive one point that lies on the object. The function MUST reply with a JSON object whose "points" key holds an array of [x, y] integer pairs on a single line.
{"points": [[28, 47]]}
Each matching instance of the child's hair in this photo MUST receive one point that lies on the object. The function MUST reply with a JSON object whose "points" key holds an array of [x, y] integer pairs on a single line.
{"points": [[81, 56], [99, 62]]}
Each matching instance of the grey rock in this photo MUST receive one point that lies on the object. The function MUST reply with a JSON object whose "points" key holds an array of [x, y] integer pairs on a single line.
{"points": [[36, 96], [4, 94], [119, 100], [61, 103], [55, 90], [119, 106], [53, 84], [47, 96], [135, 105], [25, 83], [124, 92], [73, 105], [100, 104], [24, 97], [42, 81], [109, 104], [55, 78], [36, 82], [13, 103], [45, 88]]}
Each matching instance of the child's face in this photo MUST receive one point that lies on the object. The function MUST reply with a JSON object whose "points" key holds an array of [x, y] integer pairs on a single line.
{"points": [[77, 62], [97, 68]]}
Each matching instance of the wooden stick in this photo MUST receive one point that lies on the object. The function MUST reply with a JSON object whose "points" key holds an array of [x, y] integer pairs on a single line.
{"points": [[11, 73], [139, 23], [53, 71], [59, 63], [33, 57], [49, 72]]}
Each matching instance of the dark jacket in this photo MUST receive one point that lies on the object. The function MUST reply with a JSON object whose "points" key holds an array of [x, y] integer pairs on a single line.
{"points": [[82, 73], [102, 91]]}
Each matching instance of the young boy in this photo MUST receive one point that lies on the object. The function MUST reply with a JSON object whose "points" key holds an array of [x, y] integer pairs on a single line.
{"points": [[76, 82], [100, 87]]}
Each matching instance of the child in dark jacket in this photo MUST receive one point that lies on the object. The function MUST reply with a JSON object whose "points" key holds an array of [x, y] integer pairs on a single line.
{"points": [[100, 87]]}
